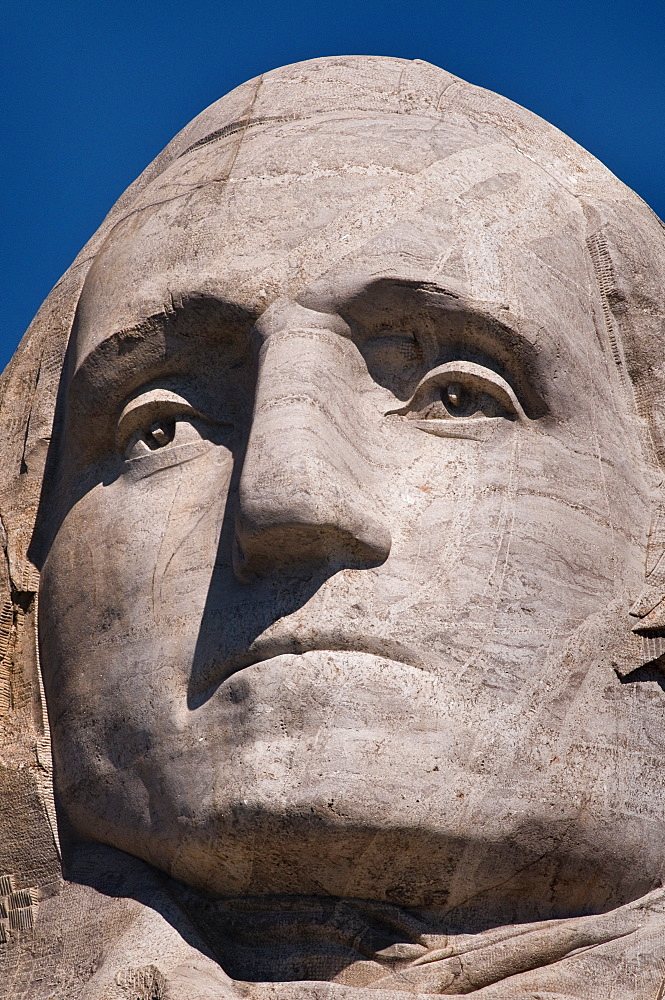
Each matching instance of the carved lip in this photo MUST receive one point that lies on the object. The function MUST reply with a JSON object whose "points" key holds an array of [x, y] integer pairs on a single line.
{"points": [[265, 649]]}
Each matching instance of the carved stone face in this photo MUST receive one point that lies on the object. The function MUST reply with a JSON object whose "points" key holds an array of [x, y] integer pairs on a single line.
{"points": [[345, 471]]}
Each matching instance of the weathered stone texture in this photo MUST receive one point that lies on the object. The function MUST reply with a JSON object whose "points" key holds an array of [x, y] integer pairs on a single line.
{"points": [[334, 542]]}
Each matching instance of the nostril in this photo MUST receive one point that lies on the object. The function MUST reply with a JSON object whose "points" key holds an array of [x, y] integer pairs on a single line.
{"points": [[298, 545]]}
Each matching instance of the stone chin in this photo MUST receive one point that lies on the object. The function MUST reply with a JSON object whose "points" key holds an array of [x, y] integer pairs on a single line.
{"points": [[351, 775]]}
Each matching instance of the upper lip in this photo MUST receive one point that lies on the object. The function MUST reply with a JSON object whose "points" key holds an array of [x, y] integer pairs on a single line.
{"points": [[268, 647]]}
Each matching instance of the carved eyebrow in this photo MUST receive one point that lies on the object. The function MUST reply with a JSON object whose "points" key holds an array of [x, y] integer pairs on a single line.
{"points": [[126, 358], [426, 286], [384, 293], [478, 331], [166, 345]]}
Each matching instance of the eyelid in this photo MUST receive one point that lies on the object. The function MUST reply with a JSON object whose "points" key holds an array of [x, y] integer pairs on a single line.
{"points": [[155, 403], [472, 375]]}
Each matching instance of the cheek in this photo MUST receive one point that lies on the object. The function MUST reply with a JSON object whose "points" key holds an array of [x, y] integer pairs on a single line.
{"points": [[448, 508], [516, 531], [131, 566]]}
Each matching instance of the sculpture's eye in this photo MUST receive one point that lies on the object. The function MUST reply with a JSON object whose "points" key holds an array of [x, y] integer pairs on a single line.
{"points": [[158, 435], [465, 401], [461, 390], [162, 432], [159, 421]]}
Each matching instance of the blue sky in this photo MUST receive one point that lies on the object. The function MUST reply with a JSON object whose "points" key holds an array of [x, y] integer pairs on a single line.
{"points": [[92, 91]]}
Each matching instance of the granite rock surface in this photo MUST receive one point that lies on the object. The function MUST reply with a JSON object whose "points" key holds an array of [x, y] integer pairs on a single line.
{"points": [[332, 612]]}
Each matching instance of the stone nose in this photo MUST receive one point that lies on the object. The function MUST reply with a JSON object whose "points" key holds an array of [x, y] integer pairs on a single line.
{"points": [[307, 491]]}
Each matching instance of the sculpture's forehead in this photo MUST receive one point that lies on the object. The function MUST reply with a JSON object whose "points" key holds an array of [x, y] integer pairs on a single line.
{"points": [[270, 215]]}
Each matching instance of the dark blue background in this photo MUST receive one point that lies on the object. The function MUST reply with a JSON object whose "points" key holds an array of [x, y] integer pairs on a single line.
{"points": [[93, 90]]}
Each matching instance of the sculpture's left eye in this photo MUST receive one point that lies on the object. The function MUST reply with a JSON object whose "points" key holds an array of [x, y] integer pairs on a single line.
{"points": [[460, 400], [461, 390]]}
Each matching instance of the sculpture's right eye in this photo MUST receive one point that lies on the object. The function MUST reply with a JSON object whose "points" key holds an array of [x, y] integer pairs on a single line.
{"points": [[158, 435], [161, 426], [167, 440]]}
